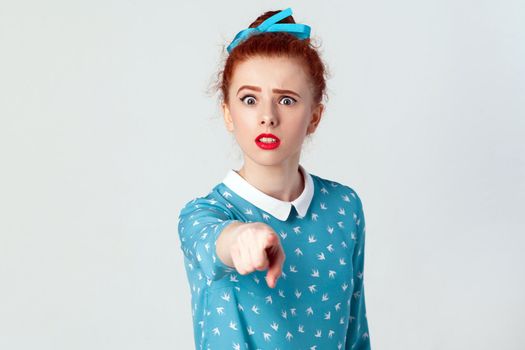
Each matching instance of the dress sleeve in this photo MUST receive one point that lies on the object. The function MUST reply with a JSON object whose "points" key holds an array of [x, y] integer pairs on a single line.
{"points": [[357, 336], [201, 221]]}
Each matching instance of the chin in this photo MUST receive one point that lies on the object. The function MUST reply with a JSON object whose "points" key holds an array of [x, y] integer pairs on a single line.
{"points": [[268, 159]]}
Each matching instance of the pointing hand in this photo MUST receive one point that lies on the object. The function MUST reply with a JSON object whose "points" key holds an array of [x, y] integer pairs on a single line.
{"points": [[257, 247]]}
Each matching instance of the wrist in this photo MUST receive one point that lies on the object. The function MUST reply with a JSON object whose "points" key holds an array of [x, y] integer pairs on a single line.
{"points": [[225, 240]]}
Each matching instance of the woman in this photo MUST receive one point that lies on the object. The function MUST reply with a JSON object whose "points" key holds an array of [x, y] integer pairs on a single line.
{"points": [[275, 255]]}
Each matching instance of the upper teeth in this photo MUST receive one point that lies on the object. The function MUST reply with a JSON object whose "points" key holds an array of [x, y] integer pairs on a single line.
{"points": [[267, 139]]}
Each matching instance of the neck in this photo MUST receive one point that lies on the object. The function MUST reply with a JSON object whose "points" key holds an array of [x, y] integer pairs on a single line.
{"points": [[282, 181]]}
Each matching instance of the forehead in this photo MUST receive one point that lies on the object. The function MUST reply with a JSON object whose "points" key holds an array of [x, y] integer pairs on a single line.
{"points": [[271, 72]]}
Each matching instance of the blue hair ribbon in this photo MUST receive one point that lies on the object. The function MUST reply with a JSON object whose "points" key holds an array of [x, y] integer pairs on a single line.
{"points": [[301, 31]]}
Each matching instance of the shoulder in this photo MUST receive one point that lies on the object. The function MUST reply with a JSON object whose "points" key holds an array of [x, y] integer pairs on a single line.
{"points": [[347, 192], [212, 202]]}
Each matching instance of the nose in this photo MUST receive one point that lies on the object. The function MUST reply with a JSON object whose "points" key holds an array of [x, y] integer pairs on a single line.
{"points": [[269, 116], [268, 121]]}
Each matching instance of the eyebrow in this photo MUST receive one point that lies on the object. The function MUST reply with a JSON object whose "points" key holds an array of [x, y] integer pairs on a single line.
{"points": [[279, 91]]}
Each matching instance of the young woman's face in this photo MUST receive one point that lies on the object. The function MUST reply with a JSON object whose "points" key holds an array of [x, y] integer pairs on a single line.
{"points": [[271, 95]]}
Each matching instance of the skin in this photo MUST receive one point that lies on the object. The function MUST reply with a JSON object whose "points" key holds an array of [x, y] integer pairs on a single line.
{"points": [[291, 115]]}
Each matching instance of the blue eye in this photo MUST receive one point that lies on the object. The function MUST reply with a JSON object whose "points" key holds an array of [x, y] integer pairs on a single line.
{"points": [[245, 98], [250, 100], [286, 98]]}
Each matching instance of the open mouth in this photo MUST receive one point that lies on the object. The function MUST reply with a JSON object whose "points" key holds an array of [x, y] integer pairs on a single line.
{"points": [[267, 141]]}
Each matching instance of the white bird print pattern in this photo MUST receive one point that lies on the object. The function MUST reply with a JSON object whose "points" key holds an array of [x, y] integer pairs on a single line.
{"points": [[319, 301]]}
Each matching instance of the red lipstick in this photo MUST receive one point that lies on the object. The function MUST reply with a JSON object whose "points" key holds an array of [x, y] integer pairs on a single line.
{"points": [[270, 141]]}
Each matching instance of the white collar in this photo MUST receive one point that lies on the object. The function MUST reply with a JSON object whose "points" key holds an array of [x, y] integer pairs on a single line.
{"points": [[278, 208]]}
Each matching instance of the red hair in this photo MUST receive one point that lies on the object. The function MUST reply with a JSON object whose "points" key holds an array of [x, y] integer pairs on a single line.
{"points": [[270, 44]]}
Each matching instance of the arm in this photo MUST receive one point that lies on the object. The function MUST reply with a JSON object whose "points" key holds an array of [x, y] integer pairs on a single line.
{"points": [[201, 221], [357, 336], [225, 240]]}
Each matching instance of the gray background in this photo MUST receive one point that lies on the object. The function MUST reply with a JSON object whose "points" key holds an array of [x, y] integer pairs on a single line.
{"points": [[107, 129]]}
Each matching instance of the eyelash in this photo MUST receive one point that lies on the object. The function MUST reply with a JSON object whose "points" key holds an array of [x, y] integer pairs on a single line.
{"points": [[291, 98]]}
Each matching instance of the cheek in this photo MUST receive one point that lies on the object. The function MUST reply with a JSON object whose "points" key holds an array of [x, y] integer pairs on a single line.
{"points": [[243, 126], [300, 132], [299, 121], [240, 113], [241, 122], [244, 117]]}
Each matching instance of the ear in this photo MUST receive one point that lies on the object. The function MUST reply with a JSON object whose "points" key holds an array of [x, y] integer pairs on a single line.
{"points": [[228, 121], [316, 118]]}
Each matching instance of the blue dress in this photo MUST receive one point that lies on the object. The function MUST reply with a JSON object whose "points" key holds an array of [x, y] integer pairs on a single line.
{"points": [[318, 302]]}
